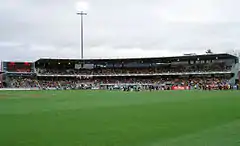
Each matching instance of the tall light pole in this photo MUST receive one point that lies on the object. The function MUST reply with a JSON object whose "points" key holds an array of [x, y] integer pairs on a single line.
{"points": [[81, 14]]}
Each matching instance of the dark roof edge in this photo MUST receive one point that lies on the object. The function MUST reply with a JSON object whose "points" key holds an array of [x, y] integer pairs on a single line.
{"points": [[169, 57]]}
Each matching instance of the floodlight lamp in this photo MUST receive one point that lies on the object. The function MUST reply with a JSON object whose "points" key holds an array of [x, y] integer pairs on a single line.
{"points": [[82, 6]]}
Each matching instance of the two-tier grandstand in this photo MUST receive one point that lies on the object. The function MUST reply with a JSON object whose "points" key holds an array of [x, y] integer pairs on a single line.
{"points": [[208, 71]]}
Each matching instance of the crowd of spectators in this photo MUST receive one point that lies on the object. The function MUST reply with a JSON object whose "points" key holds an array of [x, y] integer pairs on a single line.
{"points": [[22, 82], [73, 83], [193, 82], [149, 70]]}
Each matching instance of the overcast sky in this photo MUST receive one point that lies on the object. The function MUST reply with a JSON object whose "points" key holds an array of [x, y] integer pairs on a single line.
{"points": [[31, 29]]}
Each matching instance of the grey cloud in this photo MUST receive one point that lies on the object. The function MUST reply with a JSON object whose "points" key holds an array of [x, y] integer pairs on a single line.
{"points": [[121, 28]]}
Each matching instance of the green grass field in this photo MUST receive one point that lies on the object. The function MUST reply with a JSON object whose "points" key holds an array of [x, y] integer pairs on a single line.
{"points": [[104, 118]]}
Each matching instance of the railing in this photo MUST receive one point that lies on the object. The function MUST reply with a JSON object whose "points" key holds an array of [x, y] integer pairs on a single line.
{"points": [[19, 89], [124, 75], [26, 73]]}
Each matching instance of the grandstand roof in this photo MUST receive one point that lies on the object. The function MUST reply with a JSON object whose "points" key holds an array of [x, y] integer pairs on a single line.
{"points": [[153, 59]]}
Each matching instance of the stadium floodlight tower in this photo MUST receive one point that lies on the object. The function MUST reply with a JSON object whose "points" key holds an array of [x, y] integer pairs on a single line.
{"points": [[82, 6]]}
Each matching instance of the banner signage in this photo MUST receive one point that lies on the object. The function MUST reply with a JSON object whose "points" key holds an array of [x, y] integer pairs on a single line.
{"points": [[180, 88]]}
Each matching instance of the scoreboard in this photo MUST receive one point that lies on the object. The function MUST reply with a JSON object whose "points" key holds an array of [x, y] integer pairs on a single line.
{"points": [[24, 67]]}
